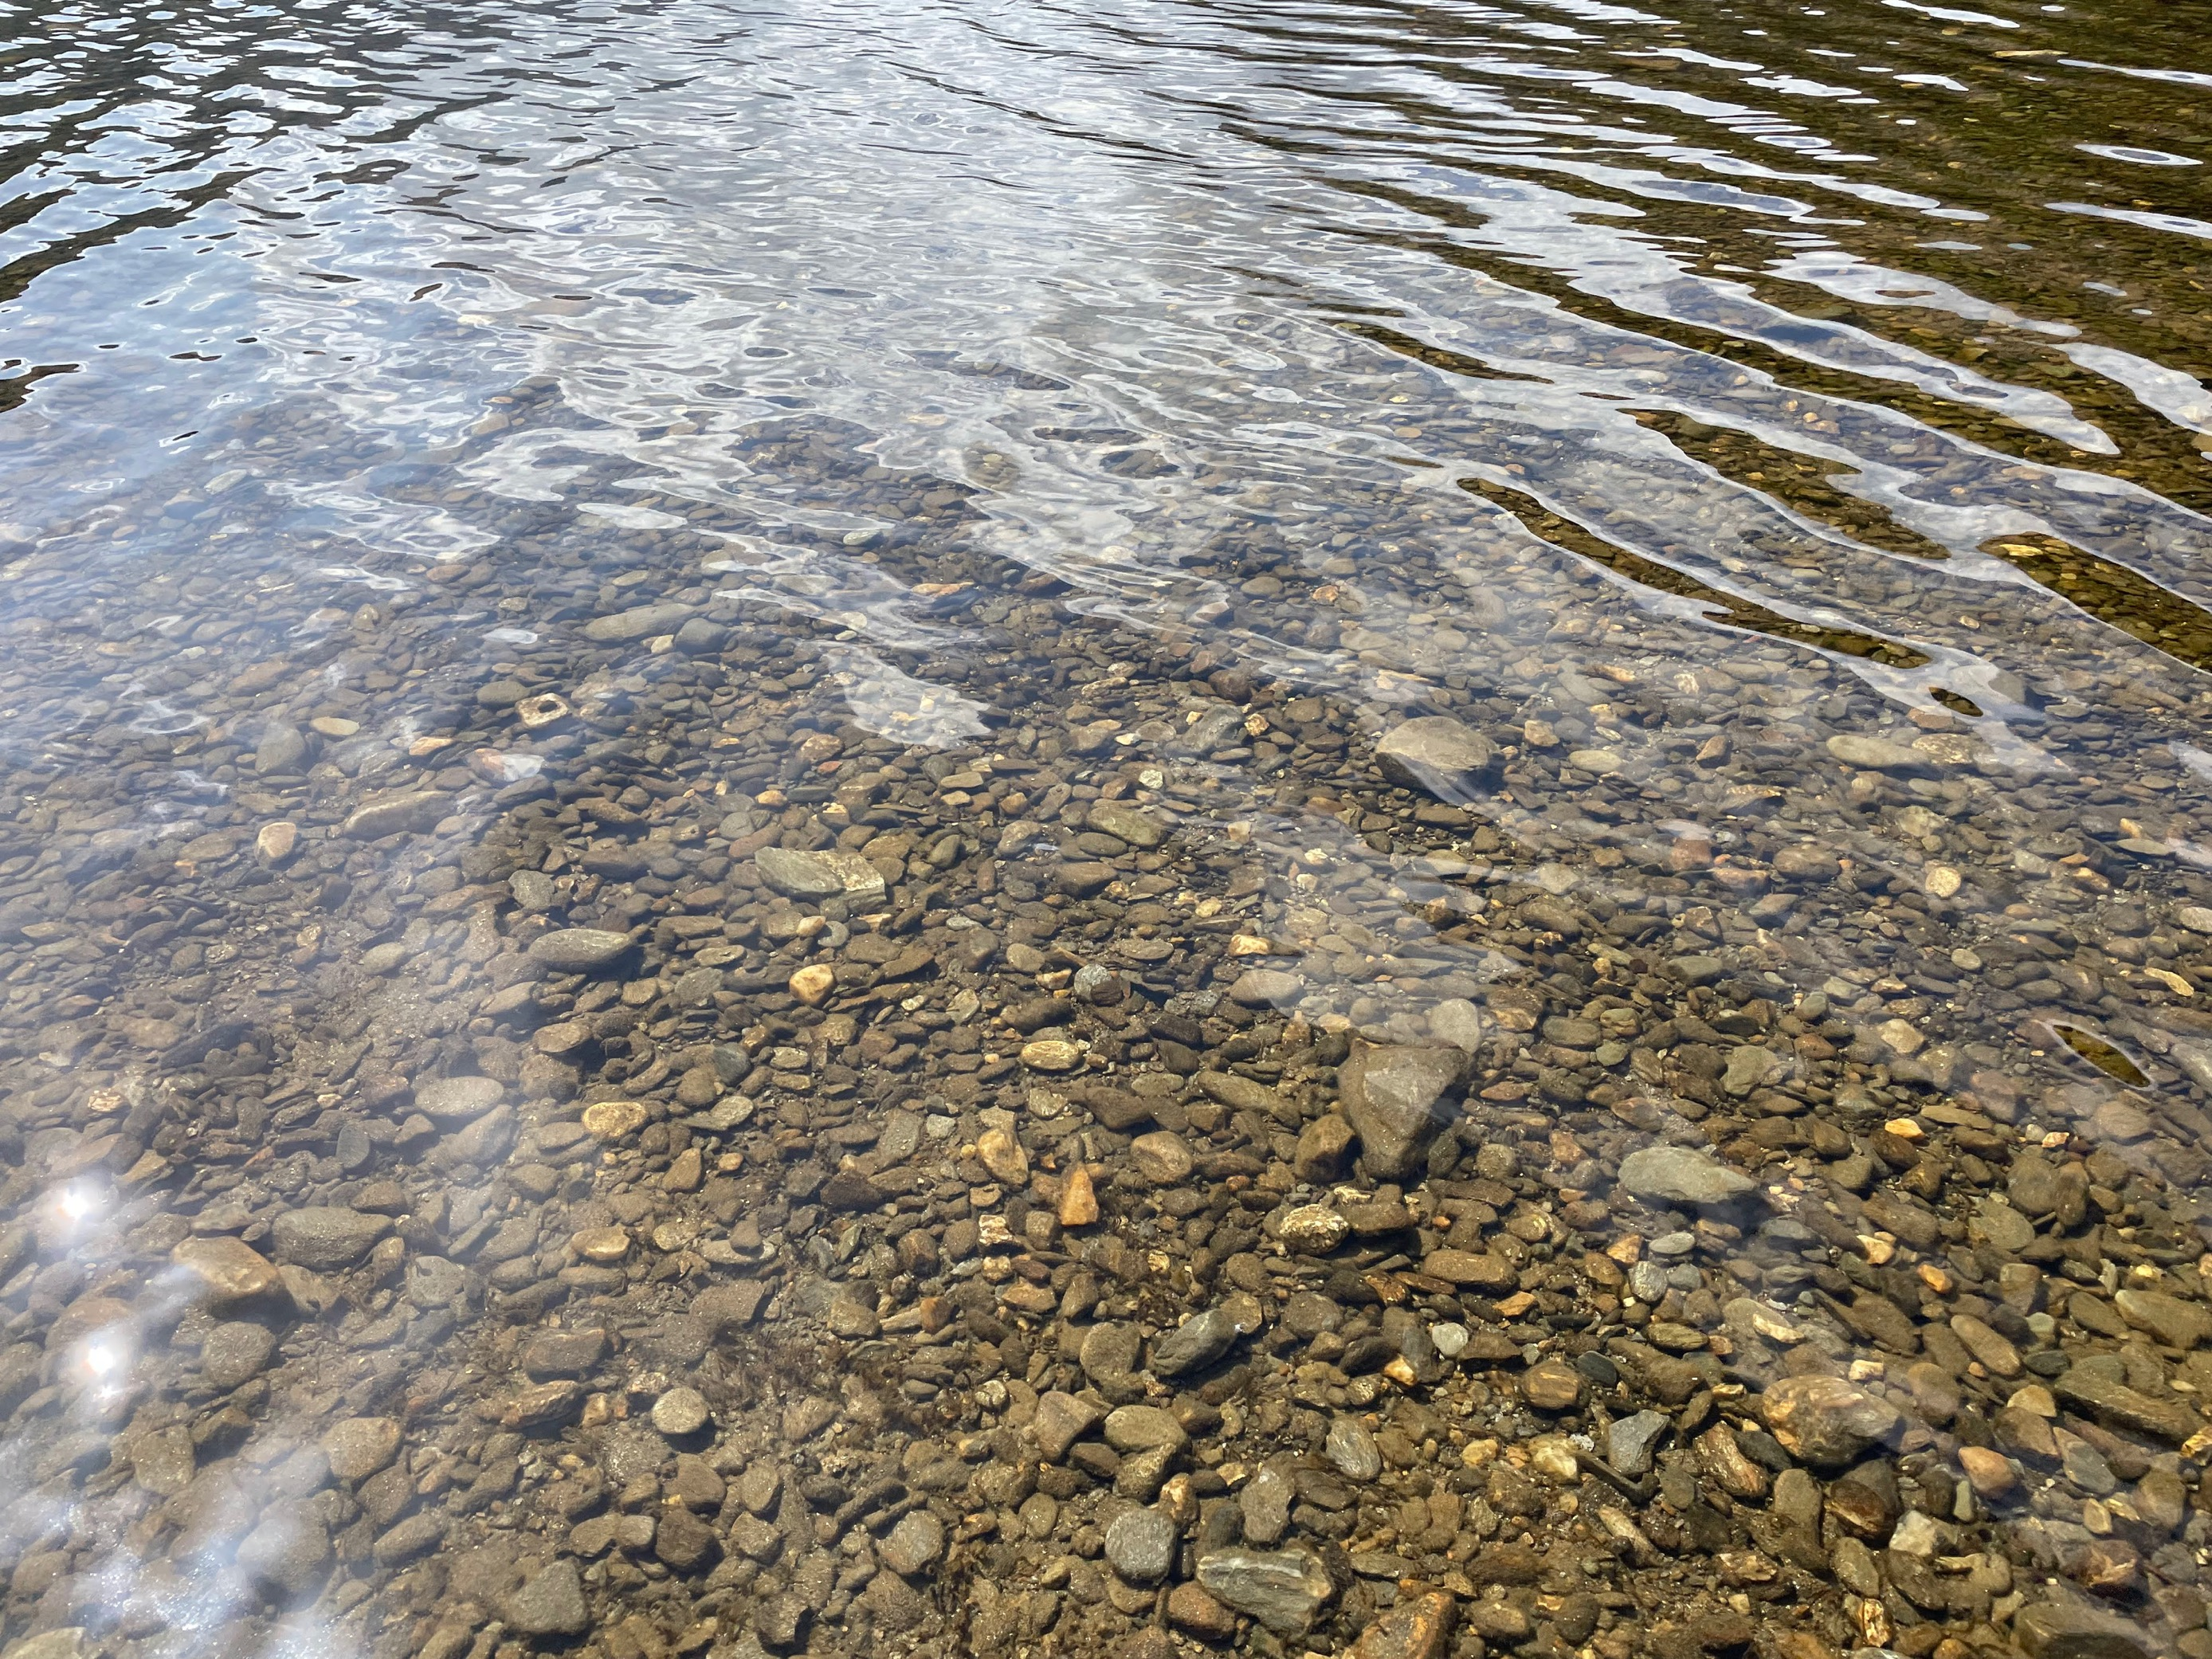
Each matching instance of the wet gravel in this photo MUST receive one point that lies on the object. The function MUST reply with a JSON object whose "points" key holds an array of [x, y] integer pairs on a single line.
{"points": [[657, 1164]]}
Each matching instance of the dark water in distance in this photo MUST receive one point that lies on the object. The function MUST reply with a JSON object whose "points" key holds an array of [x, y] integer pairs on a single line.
{"points": [[1927, 276], [1720, 385]]}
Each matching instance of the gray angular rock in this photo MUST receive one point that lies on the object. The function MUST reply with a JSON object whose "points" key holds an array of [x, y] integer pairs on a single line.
{"points": [[1350, 1449], [1125, 822], [551, 1603], [699, 637], [1144, 1428], [1194, 1344], [1435, 753], [2076, 1630], [1394, 1095], [2002, 1228], [281, 748], [1281, 1589], [799, 875], [2093, 1391], [1265, 1504], [1629, 1440], [1458, 1022], [1061, 1420], [1678, 1174], [2170, 1321], [914, 1546]]}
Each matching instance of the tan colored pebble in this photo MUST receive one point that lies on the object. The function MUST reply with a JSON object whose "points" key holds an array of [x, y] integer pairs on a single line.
{"points": [[1078, 1200], [603, 1246], [614, 1119]]}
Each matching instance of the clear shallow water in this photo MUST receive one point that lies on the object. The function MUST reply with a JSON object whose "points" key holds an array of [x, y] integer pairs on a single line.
{"points": [[1670, 394], [1726, 291]]}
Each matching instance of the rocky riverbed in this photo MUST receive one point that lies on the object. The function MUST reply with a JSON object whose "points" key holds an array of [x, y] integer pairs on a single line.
{"points": [[690, 1140]]}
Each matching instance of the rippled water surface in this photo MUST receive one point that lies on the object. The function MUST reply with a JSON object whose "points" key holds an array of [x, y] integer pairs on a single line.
{"points": [[477, 473]]}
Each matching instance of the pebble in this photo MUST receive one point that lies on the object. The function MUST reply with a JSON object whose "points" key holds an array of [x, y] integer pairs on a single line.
{"points": [[1825, 1421], [456, 1100], [1631, 1440], [325, 1239], [288, 1554], [1313, 1229], [681, 1413], [1419, 1627], [1125, 823], [1281, 1589], [358, 1446], [579, 950], [639, 622], [1198, 1343], [1394, 1096], [1435, 753], [229, 1270], [1676, 1175], [1140, 1544], [1352, 1450], [550, 1603], [1552, 1385], [1879, 753], [233, 1352], [1264, 1505], [1267, 988], [914, 1546]]}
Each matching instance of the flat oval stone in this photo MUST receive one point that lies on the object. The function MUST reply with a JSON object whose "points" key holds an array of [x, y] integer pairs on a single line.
{"points": [[393, 813], [680, 1413], [798, 875], [1678, 1174], [640, 622], [1470, 1269], [602, 1246], [1877, 754], [1267, 988], [449, 1100], [1125, 823], [614, 1119], [230, 1269], [1051, 1055], [578, 950], [327, 1239]]}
